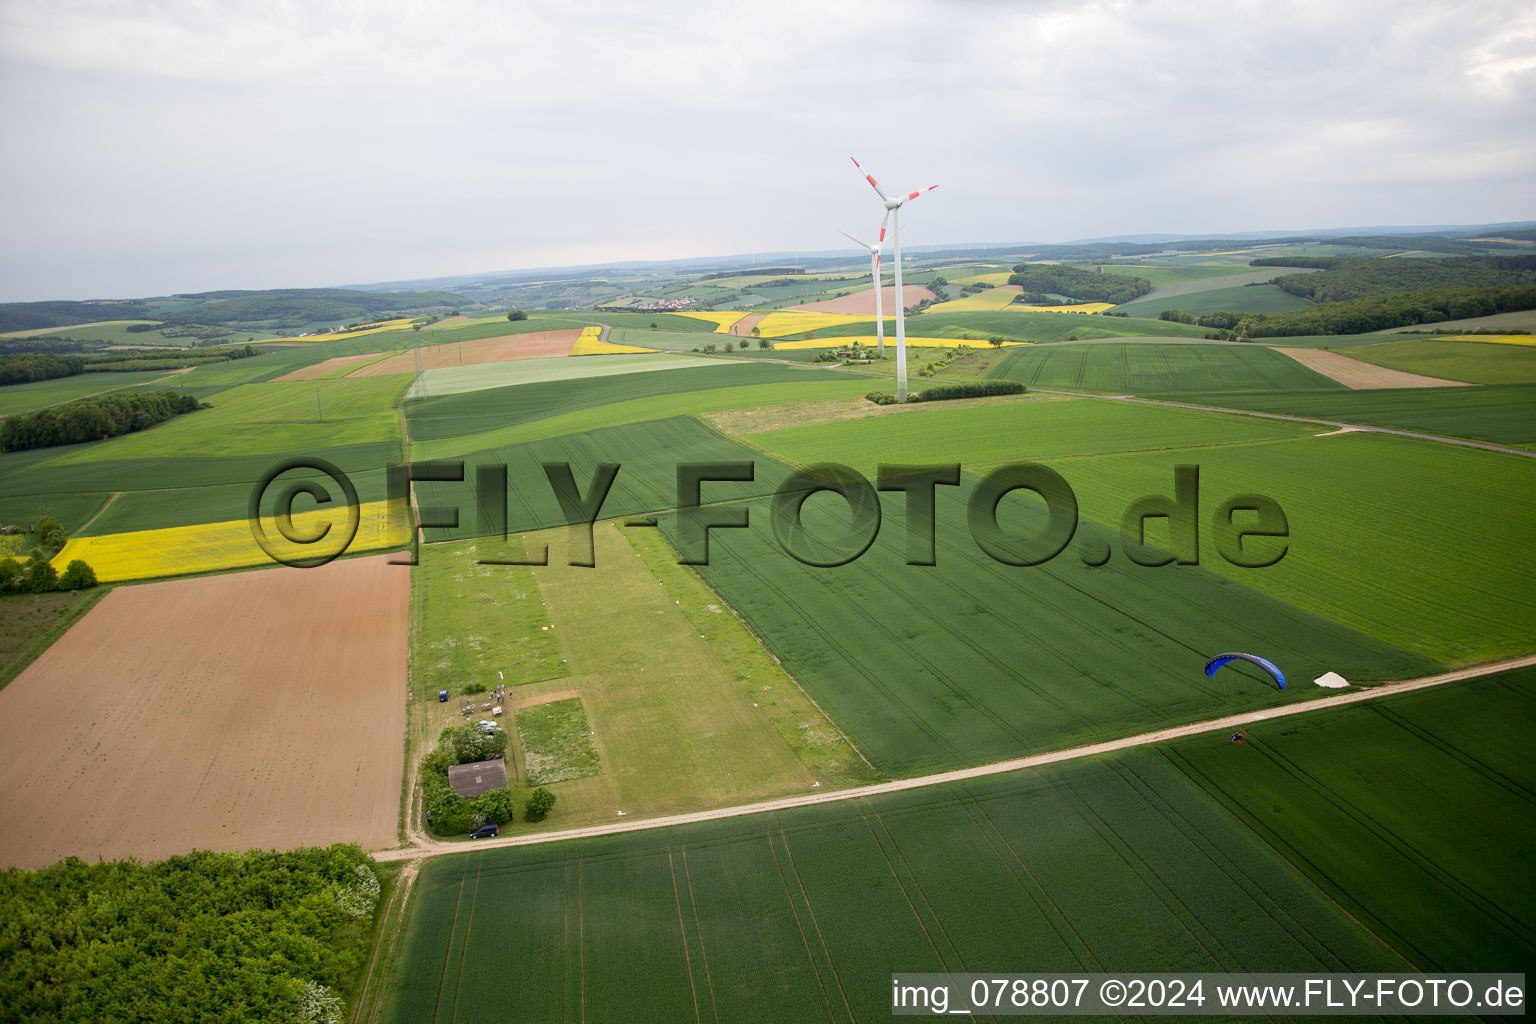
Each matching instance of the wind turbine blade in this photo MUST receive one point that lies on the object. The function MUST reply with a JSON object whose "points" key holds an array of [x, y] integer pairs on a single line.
{"points": [[858, 240], [883, 221], [914, 195], [870, 178]]}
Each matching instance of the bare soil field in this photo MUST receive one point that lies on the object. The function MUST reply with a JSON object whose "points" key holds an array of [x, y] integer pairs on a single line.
{"points": [[1361, 376], [324, 367], [744, 326], [254, 710], [483, 350], [864, 301]]}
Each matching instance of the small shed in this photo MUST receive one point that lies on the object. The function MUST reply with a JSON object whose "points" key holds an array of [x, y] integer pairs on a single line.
{"points": [[477, 777]]}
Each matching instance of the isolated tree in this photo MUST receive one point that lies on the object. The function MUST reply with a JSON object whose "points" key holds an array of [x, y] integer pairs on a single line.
{"points": [[757, 332], [540, 801], [995, 342], [763, 343], [44, 526], [517, 314], [743, 343]]}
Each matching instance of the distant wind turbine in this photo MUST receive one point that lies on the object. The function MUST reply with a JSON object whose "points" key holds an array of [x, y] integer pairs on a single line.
{"points": [[874, 272], [893, 211]]}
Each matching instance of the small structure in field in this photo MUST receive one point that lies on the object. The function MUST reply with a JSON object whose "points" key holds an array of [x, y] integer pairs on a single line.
{"points": [[477, 777]]}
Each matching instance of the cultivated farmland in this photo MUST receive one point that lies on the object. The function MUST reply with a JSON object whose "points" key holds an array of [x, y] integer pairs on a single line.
{"points": [[1164, 368], [278, 725], [1303, 861]]}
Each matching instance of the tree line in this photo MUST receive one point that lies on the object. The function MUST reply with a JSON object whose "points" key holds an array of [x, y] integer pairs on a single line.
{"points": [[93, 419], [1078, 284], [1373, 313], [203, 937], [29, 367]]}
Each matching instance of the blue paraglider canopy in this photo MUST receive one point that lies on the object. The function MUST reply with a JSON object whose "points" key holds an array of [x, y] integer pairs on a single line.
{"points": [[1253, 659]]}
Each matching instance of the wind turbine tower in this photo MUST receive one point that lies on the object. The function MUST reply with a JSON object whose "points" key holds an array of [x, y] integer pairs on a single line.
{"points": [[874, 272], [893, 207]]}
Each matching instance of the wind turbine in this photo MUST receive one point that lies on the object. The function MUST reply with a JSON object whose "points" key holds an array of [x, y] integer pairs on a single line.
{"points": [[874, 272], [893, 210]]}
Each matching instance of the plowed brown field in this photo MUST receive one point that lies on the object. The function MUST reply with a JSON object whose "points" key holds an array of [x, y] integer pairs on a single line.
{"points": [[260, 709], [482, 350], [864, 301]]}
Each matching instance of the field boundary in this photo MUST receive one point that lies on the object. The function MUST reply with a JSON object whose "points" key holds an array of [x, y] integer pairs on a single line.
{"points": [[1246, 718]]}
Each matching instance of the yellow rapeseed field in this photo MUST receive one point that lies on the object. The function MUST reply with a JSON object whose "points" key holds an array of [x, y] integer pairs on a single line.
{"points": [[1081, 307], [1497, 339], [782, 322], [590, 343], [994, 279], [387, 325], [723, 321], [209, 547], [890, 343]]}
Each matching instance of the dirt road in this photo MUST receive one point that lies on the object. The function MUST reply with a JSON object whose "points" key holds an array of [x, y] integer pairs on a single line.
{"points": [[1354, 696]]}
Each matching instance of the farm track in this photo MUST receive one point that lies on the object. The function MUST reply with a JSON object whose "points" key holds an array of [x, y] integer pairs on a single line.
{"points": [[439, 849]]}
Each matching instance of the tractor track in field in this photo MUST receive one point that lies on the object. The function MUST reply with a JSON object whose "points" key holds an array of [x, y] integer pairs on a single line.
{"points": [[423, 850]]}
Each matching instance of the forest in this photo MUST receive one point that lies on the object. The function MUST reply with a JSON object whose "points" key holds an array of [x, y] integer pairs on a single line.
{"points": [[1340, 279], [1078, 284], [202, 937]]}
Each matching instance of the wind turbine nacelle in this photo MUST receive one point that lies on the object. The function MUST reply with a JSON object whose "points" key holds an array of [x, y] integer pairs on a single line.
{"points": [[893, 204]]}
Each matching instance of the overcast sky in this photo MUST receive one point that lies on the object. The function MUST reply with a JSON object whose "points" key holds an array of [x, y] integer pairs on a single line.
{"points": [[155, 146]]}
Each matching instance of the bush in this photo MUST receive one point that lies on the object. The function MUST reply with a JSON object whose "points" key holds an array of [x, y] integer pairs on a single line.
{"points": [[514, 315], [12, 576], [77, 576], [540, 801], [495, 805], [41, 576], [474, 688], [881, 398], [984, 389], [50, 533]]}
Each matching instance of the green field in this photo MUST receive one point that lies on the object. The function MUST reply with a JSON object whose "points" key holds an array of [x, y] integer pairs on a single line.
{"points": [[1171, 368], [971, 660], [1386, 837], [440, 416], [19, 398], [683, 708], [1474, 362], [1423, 545], [1022, 325], [556, 742], [1263, 298], [648, 454], [1502, 414], [455, 380], [267, 419], [1039, 427], [663, 406]]}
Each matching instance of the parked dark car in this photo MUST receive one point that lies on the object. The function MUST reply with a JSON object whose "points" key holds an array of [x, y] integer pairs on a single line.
{"points": [[485, 831]]}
